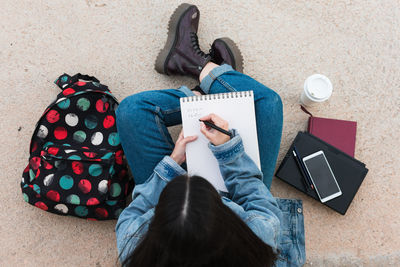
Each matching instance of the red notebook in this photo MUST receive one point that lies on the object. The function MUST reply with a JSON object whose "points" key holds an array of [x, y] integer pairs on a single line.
{"points": [[339, 133]]}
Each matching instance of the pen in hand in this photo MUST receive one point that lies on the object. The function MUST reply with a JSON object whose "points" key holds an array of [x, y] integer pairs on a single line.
{"points": [[212, 125]]}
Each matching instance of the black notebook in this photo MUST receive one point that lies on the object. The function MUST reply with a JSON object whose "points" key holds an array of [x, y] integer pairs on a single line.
{"points": [[348, 171]]}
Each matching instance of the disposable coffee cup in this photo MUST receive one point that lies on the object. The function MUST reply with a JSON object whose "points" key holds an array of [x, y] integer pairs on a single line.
{"points": [[317, 89]]}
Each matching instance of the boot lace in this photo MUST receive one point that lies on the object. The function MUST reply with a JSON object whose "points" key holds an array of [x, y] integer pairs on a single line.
{"points": [[195, 44]]}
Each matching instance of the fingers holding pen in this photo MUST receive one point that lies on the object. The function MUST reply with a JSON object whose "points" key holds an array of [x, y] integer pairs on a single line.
{"points": [[217, 120]]}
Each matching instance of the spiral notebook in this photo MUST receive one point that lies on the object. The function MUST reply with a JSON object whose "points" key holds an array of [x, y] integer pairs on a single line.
{"points": [[238, 109]]}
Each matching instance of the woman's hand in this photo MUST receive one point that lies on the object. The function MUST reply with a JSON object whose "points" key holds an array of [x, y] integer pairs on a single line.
{"points": [[179, 153], [215, 137]]}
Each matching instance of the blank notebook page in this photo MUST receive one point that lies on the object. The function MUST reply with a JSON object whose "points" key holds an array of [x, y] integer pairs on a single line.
{"points": [[237, 108]]}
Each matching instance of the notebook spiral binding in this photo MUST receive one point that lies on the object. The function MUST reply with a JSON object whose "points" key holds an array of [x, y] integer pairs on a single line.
{"points": [[238, 94]]}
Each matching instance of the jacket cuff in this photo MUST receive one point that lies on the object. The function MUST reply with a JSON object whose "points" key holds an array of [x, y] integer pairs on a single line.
{"points": [[168, 169], [228, 151]]}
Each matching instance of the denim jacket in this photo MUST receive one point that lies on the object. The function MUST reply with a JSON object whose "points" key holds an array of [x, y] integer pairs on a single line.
{"points": [[278, 222]]}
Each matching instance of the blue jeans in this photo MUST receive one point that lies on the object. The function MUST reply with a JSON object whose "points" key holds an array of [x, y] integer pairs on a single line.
{"points": [[143, 118]]}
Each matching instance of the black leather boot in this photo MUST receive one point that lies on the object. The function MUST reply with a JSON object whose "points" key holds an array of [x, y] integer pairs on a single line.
{"points": [[182, 54], [225, 51]]}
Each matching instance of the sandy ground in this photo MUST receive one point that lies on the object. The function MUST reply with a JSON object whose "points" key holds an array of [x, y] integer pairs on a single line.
{"points": [[355, 43]]}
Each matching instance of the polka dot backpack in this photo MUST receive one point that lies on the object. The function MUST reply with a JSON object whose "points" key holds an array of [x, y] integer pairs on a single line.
{"points": [[76, 165]]}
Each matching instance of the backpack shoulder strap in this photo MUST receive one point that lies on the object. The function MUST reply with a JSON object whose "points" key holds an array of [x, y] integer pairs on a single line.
{"points": [[64, 80]]}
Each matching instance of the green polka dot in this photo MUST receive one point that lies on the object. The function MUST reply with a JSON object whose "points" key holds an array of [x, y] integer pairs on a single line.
{"points": [[111, 202], [79, 93], [64, 79], [74, 157], [95, 169], [79, 136], [96, 84], [36, 188], [31, 175], [83, 104], [66, 182], [107, 156], [118, 212], [64, 104], [25, 185], [26, 198], [81, 211], [112, 170], [48, 144], [60, 164], [73, 199], [66, 145], [113, 139], [115, 190], [91, 122]]}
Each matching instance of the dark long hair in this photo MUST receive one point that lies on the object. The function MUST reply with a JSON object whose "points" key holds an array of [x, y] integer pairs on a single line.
{"points": [[192, 227]]}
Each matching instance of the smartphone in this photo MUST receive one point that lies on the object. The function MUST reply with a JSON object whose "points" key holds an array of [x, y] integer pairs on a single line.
{"points": [[322, 176]]}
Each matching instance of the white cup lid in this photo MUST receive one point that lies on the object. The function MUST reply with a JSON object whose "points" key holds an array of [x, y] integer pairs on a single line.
{"points": [[318, 87]]}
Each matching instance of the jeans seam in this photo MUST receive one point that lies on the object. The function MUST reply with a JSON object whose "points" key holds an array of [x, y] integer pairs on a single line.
{"points": [[158, 122], [170, 111], [300, 255], [212, 76], [226, 85]]}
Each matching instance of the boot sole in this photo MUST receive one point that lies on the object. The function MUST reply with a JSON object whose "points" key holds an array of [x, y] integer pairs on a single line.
{"points": [[234, 51], [164, 54]]}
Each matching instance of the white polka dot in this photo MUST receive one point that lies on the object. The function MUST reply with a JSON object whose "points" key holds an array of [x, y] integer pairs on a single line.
{"points": [[71, 119], [103, 186], [69, 151], [61, 208], [97, 138], [48, 179], [23, 180], [42, 132]]}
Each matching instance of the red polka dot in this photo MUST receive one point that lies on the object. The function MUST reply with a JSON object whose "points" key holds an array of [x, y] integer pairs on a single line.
{"points": [[85, 186], [53, 195], [102, 213], [118, 157], [60, 133], [90, 154], [91, 219], [41, 205], [47, 165], [37, 173], [85, 147], [77, 167], [52, 116], [34, 162], [108, 121], [79, 83], [101, 106], [68, 91], [34, 147], [53, 150], [92, 201]]}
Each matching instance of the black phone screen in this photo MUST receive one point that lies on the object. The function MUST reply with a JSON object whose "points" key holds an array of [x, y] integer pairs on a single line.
{"points": [[321, 175]]}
